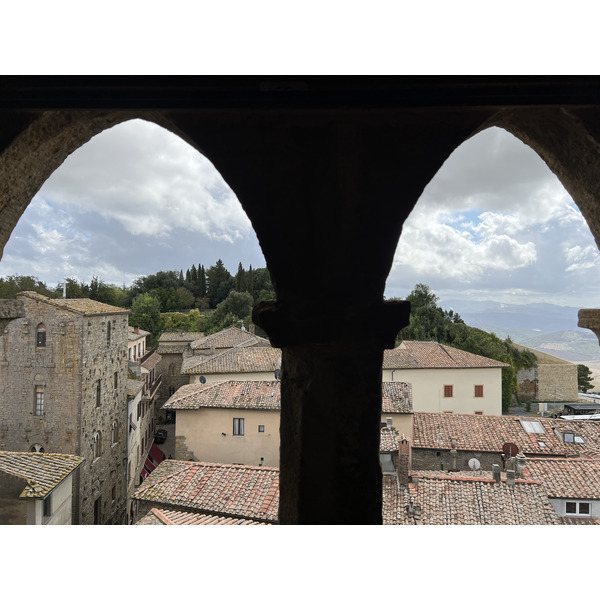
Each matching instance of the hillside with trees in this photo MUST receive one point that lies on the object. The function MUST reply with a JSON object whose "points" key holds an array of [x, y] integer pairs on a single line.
{"points": [[430, 322]]}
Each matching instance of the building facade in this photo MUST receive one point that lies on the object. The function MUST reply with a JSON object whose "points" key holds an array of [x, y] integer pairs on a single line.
{"points": [[63, 373]]}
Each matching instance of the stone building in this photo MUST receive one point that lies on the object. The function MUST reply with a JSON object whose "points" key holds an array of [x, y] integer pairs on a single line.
{"points": [[552, 379], [63, 374]]}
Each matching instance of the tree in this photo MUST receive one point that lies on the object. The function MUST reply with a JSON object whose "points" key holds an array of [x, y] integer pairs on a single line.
{"points": [[145, 312], [584, 378]]}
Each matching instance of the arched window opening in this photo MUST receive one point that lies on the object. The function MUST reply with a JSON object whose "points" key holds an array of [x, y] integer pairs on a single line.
{"points": [[96, 445], [40, 339], [497, 242], [108, 328], [37, 448], [115, 433]]}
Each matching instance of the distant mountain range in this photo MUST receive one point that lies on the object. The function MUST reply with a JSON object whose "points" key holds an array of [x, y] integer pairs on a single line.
{"points": [[546, 327]]}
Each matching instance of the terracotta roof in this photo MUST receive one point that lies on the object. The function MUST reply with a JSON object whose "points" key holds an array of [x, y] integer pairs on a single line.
{"points": [[388, 440], [252, 395], [229, 338], [446, 500], [485, 433], [567, 477], [42, 471], [83, 306], [228, 490], [396, 397], [171, 349], [150, 360], [236, 360], [265, 395], [432, 355], [181, 517], [183, 337]]}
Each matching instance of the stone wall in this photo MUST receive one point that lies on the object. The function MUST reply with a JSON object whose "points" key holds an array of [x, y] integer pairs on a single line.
{"points": [[169, 368], [67, 370], [427, 459]]}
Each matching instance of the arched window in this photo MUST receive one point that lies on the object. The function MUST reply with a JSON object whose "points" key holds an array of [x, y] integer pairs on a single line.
{"points": [[36, 448], [114, 438], [172, 370], [96, 445], [40, 340], [108, 333]]}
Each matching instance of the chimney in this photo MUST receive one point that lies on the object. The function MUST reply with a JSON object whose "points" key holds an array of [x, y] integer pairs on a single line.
{"points": [[496, 473], [510, 477], [403, 460], [453, 457], [521, 462], [136, 329], [389, 422]]}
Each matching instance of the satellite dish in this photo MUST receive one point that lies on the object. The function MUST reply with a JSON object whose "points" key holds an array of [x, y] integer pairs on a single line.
{"points": [[510, 449], [202, 379], [474, 464]]}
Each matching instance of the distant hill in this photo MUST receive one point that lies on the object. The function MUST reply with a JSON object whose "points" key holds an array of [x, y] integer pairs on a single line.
{"points": [[546, 327]]}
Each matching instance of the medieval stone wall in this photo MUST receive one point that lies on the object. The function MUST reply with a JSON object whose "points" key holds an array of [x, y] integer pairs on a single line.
{"points": [[76, 356]]}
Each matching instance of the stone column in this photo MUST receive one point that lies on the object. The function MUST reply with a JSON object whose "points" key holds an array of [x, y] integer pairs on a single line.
{"points": [[331, 409]]}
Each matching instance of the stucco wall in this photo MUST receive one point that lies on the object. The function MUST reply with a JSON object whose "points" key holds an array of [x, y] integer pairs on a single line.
{"points": [[203, 429], [428, 389], [402, 422]]}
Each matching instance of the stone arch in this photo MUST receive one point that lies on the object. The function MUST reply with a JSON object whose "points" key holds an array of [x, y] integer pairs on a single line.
{"points": [[44, 145], [569, 144]]}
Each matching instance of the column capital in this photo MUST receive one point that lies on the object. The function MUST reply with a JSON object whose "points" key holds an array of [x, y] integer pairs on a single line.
{"points": [[325, 322], [589, 318]]}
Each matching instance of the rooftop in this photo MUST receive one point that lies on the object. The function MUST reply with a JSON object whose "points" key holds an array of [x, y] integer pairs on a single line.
{"points": [[229, 338], [83, 306], [237, 491], [252, 395], [235, 360], [396, 397], [567, 477], [432, 355], [180, 337], [42, 471], [485, 433], [133, 335], [181, 517], [458, 499]]}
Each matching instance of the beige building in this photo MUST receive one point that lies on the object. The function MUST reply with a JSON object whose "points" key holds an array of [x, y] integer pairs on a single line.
{"points": [[37, 488], [445, 379], [551, 380], [237, 422]]}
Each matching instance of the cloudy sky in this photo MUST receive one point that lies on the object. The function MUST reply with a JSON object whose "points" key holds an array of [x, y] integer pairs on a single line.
{"points": [[494, 222]]}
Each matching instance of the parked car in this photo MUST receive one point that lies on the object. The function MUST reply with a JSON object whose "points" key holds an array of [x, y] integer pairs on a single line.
{"points": [[160, 436]]}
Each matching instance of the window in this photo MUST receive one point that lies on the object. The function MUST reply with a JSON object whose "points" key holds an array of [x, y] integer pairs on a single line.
{"points": [[98, 392], [113, 493], [541, 444], [478, 412], [129, 353], [36, 448], [39, 400], [114, 438], [238, 427], [448, 391], [96, 445], [532, 427], [97, 511], [116, 380], [48, 506], [171, 390], [261, 429], [578, 508], [478, 391], [172, 370], [108, 327], [573, 438], [40, 340]]}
